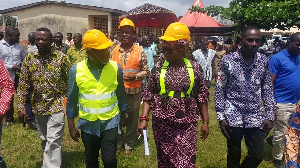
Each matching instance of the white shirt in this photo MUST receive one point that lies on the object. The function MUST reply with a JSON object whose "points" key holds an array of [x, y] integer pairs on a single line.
{"points": [[11, 55], [31, 48], [205, 60]]}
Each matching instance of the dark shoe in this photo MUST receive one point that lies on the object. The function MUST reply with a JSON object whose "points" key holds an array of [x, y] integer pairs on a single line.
{"points": [[7, 124], [32, 126], [278, 163], [127, 152], [270, 140]]}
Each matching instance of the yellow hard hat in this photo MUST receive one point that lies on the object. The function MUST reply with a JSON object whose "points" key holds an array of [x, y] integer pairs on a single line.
{"points": [[176, 31], [127, 22], [95, 39]]}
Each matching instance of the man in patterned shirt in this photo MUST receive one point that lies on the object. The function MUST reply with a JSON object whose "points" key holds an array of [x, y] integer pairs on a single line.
{"points": [[6, 93], [243, 94], [45, 71], [133, 60], [76, 53]]}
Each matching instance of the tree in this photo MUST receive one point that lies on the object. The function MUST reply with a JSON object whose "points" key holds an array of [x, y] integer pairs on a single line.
{"points": [[10, 21], [264, 14]]}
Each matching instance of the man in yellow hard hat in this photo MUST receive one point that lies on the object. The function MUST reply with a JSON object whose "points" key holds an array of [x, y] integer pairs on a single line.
{"points": [[133, 60], [96, 85]]}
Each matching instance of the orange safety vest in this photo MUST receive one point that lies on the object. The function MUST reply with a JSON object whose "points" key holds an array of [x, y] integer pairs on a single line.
{"points": [[132, 65]]}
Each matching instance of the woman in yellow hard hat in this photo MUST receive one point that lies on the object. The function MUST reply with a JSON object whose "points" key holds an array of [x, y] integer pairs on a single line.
{"points": [[175, 92]]}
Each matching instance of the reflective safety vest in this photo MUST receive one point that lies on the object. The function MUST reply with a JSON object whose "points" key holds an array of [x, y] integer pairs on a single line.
{"points": [[172, 93], [97, 100], [132, 65]]}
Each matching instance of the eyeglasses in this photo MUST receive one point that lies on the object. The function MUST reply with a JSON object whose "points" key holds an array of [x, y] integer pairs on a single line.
{"points": [[167, 49]]}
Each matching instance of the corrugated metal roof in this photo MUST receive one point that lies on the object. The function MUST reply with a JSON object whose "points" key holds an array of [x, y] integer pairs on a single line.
{"points": [[115, 12]]}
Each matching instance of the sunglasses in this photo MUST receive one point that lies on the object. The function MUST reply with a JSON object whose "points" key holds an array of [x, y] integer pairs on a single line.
{"points": [[167, 49]]}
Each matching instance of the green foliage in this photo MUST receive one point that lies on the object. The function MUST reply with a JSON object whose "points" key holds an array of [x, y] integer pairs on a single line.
{"points": [[264, 14], [10, 21]]}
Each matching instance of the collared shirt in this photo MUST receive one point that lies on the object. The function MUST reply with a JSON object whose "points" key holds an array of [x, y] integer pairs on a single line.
{"points": [[95, 127], [63, 48], [244, 92], [7, 89], [286, 67], [150, 53], [48, 79], [31, 48], [124, 55], [205, 60], [69, 43], [11, 55], [76, 55]]}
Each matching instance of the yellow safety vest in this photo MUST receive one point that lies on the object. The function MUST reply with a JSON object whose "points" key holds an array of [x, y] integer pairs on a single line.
{"points": [[97, 100], [171, 92]]}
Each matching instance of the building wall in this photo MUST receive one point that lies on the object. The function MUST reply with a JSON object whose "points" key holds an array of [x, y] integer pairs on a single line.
{"points": [[55, 17]]}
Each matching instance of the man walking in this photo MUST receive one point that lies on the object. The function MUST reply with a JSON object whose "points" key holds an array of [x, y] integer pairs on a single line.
{"points": [[58, 43], [12, 54], [133, 60], [46, 72], [96, 90], [285, 73], [76, 53], [243, 94], [204, 56]]}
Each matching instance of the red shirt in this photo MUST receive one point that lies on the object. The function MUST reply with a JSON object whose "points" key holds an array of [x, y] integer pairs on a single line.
{"points": [[7, 89]]}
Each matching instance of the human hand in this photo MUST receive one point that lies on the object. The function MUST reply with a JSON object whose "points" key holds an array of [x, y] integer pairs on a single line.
{"points": [[267, 125], [129, 78], [275, 114], [74, 133], [16, 68], [204, 131], [21, 115], [142, 126], [225, 128]]}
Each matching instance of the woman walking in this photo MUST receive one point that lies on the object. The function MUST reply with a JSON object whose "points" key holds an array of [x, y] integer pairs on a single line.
{"points": [[176, 93]]}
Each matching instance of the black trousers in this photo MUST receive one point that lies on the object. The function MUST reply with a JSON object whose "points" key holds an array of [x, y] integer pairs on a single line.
{"points": [[108, 144], [254, 140]]}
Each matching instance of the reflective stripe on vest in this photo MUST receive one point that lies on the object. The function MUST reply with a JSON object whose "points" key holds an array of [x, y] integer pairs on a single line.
{"points": [[97, 99], [132, 64], [163, 74], [97, 96], [98, 110]]}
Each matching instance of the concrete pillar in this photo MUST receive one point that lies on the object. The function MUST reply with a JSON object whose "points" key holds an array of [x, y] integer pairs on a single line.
{"points": [[109, 24]]}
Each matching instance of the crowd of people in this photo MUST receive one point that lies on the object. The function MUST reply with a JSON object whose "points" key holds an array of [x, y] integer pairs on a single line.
{"points": [[104, 81]]}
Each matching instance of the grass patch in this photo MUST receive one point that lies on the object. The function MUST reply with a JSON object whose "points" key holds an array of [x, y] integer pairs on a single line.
{"points": [[20, 147]]}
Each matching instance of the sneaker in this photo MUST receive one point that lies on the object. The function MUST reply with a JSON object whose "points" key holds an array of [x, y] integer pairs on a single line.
{"points": [[32, 126], [7, 124], [278, 163]]}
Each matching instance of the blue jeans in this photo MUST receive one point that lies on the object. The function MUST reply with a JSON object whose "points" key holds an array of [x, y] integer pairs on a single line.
{"points": [[2, 163]]}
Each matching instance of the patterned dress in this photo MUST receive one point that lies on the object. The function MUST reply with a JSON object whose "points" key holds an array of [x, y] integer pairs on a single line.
{"points": [[174, 119], [292, 143]]}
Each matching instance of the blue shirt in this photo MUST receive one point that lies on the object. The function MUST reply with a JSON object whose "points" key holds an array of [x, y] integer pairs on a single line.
{"points": [[244, 94], [287, 83], [150, 53], [94, 127]]}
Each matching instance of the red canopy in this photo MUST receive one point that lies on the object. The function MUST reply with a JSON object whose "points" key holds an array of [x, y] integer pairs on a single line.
{"points": [[196, 19], [204, 25]]}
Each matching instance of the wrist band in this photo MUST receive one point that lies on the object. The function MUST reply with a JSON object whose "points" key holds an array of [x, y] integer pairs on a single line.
{"points": [[144, 118], [204, 122]]}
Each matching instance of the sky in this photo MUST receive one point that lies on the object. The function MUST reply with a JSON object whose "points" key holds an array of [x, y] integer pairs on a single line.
{"points": [[179, 7]]}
